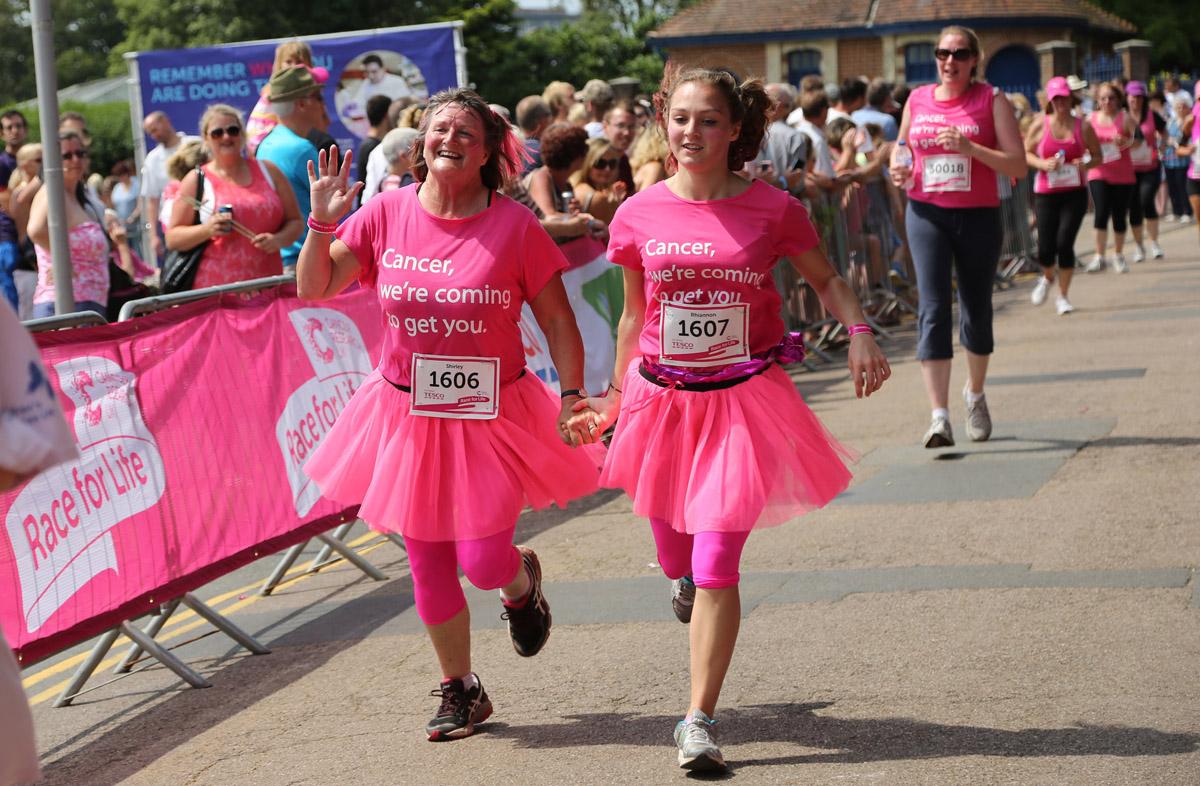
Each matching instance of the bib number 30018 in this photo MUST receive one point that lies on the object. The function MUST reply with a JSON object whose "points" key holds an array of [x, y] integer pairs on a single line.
{"points": [[941, 174], [701, 336], [454, 387]]}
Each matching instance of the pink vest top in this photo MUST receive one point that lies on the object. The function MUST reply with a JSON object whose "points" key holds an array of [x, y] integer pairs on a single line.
{"points": [[1068, 177], [1144, 155], [1118, 169], [943, 177], [1194, 169]]}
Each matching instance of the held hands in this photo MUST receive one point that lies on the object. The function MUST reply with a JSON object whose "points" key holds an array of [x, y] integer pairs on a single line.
{"points": [[329, 186], [594, 414], [868, 367], [573, 429]]}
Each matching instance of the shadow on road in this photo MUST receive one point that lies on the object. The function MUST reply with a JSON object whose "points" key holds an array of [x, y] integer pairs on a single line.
{"points": [[851, 740]]}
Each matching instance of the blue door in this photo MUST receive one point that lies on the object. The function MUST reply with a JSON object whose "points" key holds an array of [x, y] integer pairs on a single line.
{"points": [[1015, 69]]}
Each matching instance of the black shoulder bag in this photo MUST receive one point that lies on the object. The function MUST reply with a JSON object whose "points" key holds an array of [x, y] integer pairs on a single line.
{"points": [[179, 267]]}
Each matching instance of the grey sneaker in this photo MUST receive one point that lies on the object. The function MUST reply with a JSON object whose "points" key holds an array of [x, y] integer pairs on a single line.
{"points": [[939, 434], [697, 743], [979, 420], [683, 596]]}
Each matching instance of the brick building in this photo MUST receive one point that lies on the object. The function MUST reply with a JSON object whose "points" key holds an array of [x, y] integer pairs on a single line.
{"points": [[1024, 41]]}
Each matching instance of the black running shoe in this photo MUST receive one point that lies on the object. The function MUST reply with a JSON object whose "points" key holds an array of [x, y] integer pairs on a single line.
{"points": [[529, 623], [461, 710]]}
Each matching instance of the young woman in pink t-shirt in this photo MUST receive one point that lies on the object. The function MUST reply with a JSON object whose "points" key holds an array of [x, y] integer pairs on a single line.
{"points": [[1112, 181], [962, 133], [449, 438], [713, 440]]}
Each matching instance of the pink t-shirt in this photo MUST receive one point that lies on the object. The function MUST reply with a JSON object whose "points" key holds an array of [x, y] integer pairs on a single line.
{"points": [[1119, 169], [89, 266], [710, 253], [944, 177], [1194, 169], [1144, 154], [450, 286], [1073, 150]]}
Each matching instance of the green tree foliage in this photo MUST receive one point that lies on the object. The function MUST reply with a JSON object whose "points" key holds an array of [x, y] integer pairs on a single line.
{"points": [[636, 17], [1172, 25], [84, 33]]}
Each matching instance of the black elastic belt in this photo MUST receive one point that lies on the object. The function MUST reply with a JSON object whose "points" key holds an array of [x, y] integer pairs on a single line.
{"points": [[698, 387], [407, 389]]}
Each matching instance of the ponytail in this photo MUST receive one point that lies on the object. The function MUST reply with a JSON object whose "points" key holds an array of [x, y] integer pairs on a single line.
{"points": [[749, 105]]}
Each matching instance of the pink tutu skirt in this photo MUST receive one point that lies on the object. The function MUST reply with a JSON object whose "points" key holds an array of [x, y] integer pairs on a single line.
{"points": [[443, 479], [730, 460]]}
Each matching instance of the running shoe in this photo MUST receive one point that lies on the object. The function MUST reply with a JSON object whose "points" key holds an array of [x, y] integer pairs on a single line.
{"points": [[697, 744], [683, 596], [1186, 219], [979, 420], [529, 622], [1119, 265], [939, 434], [1096, 265], [1063, 306], [1039, 291], [1139, 254], [1156, 251], [461, 710]]}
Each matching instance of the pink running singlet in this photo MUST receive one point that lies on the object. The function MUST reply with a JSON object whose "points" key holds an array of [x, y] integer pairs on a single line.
{"points": [[711, 254], [1073, 149], [1194, 169], [1116, 167], [450, 286], [943, 177], [1144, 155]]}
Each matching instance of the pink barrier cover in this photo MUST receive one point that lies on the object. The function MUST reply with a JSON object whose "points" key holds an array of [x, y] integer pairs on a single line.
{"points": [[193, 426]]}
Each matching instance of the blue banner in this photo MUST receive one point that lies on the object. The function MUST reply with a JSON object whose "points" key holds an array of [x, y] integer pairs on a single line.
{"points": [[406, 61]]}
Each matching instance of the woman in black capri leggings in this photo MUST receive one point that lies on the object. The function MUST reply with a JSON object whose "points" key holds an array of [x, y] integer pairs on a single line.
{"points": [[1112, 181], [1055, 147], [1143, 213]]}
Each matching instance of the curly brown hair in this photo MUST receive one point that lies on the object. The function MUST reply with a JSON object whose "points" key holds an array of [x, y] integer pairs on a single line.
{"points": [[748, 103], [563, 143]]}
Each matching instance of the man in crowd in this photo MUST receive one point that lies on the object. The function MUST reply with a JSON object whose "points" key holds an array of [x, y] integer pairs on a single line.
{"points": [[380, 81], [1173, 92], [533, 117], [73, 121], [814, 111], [878, 110], [14, 130], [620, 126], [381, 123], [783, 146], [154, 173], [597, 96], [296, 100]]}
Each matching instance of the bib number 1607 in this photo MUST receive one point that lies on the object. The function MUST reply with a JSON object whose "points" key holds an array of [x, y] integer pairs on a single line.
{"points": [[697, 328], [703, 336]]}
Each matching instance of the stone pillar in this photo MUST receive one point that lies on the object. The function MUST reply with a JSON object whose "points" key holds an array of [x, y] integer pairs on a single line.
{"points": [[1057, 58], [1135, 58]]}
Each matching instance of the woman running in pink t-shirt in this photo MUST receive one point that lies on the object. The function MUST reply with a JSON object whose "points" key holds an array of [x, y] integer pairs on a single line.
{"points": [[713, 440], [449, 438], [962, 133]]}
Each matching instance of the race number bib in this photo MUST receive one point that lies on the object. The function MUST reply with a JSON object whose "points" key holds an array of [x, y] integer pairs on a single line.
{"points": [[946, 173], [700, 336], [1066, 176], [1141, 155], [453, 387], [1109, 152]]}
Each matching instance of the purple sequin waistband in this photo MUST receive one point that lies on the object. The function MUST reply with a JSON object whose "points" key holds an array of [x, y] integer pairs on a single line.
{"points": [[790, 349]]}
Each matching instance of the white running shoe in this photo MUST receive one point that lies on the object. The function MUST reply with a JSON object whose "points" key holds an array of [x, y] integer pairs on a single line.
{"points": [[1118, 264], [1186, 219], [1063, 306], [1096, 265], [1156, 251], [1139, 255], [1039, 291]]}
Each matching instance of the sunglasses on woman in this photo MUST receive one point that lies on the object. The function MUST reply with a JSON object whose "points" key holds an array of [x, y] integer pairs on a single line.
{"points": [[218, 133], [70, 154], [607, 163], [960, 55]]}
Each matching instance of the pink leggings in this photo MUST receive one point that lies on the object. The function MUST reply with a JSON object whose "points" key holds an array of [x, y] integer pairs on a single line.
{"points": [[488, 563], [711, 558]]}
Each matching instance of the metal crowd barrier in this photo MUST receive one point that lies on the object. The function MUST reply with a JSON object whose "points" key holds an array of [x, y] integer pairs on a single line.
{"points": [[143, 639], [1017, 250]]}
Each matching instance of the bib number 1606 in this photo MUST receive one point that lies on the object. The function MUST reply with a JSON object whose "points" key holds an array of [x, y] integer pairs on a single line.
{"points": [[453, 379]]}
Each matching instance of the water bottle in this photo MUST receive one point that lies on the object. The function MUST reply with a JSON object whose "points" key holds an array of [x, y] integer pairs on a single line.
{"points": [[904, 158]]}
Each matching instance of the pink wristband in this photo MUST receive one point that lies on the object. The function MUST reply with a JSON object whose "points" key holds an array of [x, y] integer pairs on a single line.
{"points": [[321, 226], [854, 330]]}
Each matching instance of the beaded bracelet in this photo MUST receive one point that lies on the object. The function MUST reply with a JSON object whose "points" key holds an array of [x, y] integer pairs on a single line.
{"points": [[861, 327], [321, 226]]}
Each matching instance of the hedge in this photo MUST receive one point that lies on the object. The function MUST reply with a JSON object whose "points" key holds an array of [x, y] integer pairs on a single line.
{"points": [[108, 124]]}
